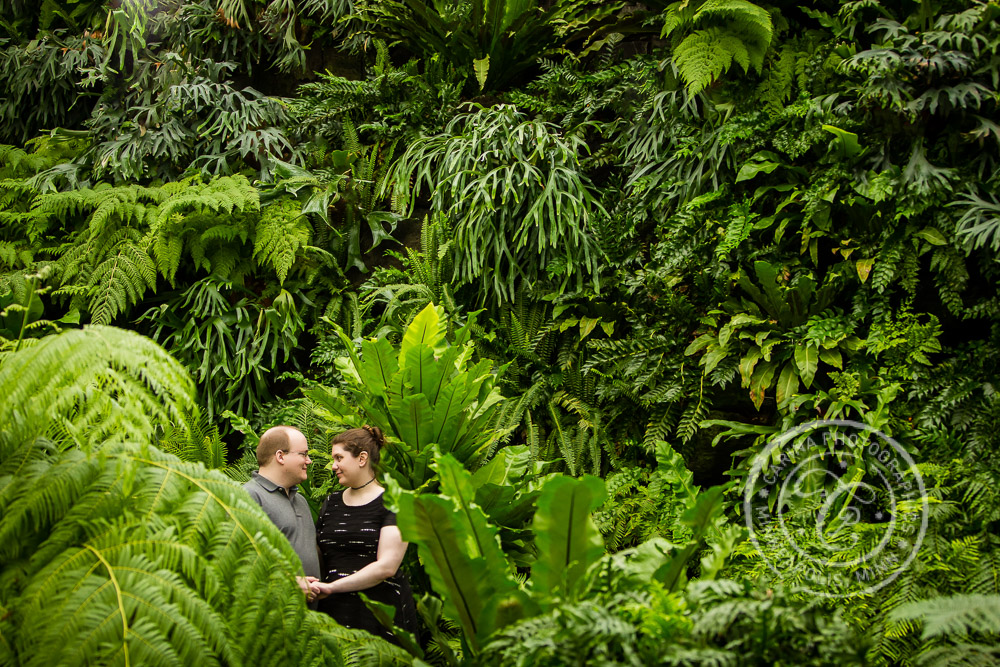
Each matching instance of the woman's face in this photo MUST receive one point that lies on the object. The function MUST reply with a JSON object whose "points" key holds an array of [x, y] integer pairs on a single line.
{"points": [[350, 470]]}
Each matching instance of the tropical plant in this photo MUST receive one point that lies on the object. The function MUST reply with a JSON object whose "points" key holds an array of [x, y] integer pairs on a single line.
{"points": [[232, 340], [516, 199], [783, 360], [708, 36], [140, 556], [965, 618], [425, 395], [494, 41]]}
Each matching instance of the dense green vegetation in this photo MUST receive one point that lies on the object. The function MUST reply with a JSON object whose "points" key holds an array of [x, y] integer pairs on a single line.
{"points": [[583, 262]]}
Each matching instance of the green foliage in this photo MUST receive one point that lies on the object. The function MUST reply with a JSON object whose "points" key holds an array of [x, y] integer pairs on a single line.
{"points": [[231, 340], [140, 556], [92, 385], [568, 542], [515, 197], [460, 550], [492, 42], [643, 504], [180, 115], [783, 360], [709, 36], [388, 104], [424, 279], [958, 615], [40, 77], [822, 227], [425, 395]]}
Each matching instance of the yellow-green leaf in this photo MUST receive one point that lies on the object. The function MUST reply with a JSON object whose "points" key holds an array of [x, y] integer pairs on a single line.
{"points": [[806, 358], [788, 384], [482, 69], [864, 268]]}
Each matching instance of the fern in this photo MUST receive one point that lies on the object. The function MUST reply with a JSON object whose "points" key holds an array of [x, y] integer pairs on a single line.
{"points": [[122, 278], [735, 31], [281, 232], [957, 615], [101, 383]]}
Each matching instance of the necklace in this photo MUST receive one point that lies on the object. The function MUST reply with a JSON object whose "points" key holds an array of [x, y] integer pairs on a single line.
{"points": [[355, 488]]}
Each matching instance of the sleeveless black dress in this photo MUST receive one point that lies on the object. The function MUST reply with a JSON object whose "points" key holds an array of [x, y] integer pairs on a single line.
{"points": [[348, 540]]}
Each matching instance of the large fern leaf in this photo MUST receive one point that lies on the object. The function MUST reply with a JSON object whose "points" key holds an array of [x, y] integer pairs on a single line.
{"points": [[96, 382], [957, 615]]}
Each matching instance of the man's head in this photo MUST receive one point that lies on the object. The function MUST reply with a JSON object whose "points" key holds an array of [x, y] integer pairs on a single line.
{"points": [[283, 455]]}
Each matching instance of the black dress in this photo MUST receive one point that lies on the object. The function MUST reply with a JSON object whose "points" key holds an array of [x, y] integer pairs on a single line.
{"points": [[348, 540]]}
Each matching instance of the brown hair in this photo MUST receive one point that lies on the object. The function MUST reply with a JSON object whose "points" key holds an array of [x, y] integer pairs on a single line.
{"points": [[365, 439], [275, 439]]}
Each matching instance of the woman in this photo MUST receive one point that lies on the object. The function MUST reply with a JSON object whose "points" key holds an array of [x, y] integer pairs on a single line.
{"points": [[359, 541]]}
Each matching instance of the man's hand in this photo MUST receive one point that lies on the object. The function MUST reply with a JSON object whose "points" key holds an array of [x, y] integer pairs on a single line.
{"points": [[318, 589], [305, 584]]}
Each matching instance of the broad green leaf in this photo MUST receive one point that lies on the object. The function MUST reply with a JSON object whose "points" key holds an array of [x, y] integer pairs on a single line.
{"points": [[761, 380], [751, 169], [698, 343], [864, 267], [427, 328], [747, 364], [414, 421], [587, 325], [423, 371], [832, 356], [469, 583], [568, 542], [700, 518], [378, 365], [932, 236], [715, 355], [806, 359], [482, 69], [456, 482], [429, 521], [847, 142], [788, 384], [509, 466]]}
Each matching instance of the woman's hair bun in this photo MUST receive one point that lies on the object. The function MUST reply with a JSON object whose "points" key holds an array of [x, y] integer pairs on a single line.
{"points": [[376, 434]]}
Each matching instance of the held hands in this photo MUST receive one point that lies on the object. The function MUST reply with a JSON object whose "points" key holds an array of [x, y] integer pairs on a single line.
{"points": [[317, 589]]}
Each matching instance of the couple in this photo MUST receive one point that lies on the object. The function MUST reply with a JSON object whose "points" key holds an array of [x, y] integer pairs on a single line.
{"points": [[355, 537]]}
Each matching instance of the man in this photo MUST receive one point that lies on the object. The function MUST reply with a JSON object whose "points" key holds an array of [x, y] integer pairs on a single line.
{"points": [[283, 457]]}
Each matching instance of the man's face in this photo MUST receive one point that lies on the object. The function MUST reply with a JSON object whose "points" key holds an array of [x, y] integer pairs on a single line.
{"points": [[297, 457]]}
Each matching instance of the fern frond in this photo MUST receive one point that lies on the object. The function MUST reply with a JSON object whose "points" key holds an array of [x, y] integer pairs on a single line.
{"points": [[956, 615], [99, 382], [280, 233]]}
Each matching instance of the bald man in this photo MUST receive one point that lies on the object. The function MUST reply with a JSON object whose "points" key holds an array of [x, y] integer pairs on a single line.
{"points": [[283, 457]]}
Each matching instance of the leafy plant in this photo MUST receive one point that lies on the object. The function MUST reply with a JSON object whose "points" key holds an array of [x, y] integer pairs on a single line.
{"points": [[231, 340], [781, 361], [141, 557], [709, 36], [425, 395], [494, 41], [516, 199]]}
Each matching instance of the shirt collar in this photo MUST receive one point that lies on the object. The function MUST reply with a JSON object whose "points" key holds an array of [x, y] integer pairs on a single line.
{"points": [[271, 486]]}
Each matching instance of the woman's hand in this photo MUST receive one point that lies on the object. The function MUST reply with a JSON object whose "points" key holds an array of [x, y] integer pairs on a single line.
{"points": [[317, 589]]}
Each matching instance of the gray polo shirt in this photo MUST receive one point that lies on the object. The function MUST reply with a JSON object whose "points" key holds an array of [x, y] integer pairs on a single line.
{"points": [[289, 512]]}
